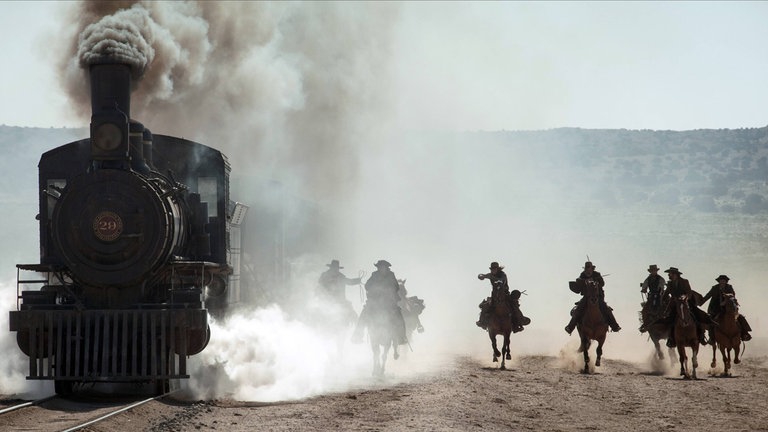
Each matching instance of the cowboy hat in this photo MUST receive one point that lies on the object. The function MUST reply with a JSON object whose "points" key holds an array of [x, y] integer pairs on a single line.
{"points": [[588, 264], [382, 263], [334, 264], [495, 265], [673, 270], [723, 277], [653, 267]]}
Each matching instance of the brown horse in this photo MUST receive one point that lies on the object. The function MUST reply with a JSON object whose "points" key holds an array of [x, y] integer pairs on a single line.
{"points": [[592, 326], [500, 324], [727, 333], [657, 331], [686, 335]]}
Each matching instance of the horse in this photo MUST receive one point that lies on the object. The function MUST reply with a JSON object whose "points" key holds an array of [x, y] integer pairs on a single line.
{"points": [[411, 308], [727, 333], [500, 324], [651, 312], [592, 325], [686, 335], [383, 336]]}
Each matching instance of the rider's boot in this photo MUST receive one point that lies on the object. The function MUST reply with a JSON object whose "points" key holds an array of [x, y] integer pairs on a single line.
{"points": [[702, 339], [571, 325], [671, 341], [745, 328], [608, 315]]}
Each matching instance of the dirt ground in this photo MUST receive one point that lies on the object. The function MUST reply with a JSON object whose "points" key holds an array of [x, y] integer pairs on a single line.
{"points": [[540, 393]]}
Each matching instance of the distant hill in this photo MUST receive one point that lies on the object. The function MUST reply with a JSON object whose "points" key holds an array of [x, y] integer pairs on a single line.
{"points": [[724, 170], [705, 170]]}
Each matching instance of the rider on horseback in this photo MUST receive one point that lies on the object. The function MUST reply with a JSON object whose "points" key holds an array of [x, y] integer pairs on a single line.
{"points": [[589, 275], [382, 296], [333, 286], [498, 280], [714, 308], [653, 286], [677, 287]]}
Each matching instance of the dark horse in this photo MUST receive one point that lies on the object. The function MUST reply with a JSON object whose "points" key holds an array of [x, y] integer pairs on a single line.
{"points": [[592, 326], [727, 333], [686, 335], [653, 310], [500, 324], [383, 336]]}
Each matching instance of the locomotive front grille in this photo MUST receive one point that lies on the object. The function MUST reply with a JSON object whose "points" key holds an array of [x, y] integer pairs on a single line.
{"points": [[107, 345]]}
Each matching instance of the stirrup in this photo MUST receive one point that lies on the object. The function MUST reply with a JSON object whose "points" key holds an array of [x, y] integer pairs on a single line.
{"points": [[746, 337], [568, 329]]}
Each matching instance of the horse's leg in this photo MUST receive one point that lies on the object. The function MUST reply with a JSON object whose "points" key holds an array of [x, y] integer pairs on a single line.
{"points": [[725, 354], [683, 358], [736, 345], [599, 351], [496, 352], [657, 346], [714, 356], [376, 359], [506, 346], [396, 353], [384, 354], [585, 348], [695, 360]]}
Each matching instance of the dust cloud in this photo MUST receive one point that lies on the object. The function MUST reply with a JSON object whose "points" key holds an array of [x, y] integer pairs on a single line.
{"points": [[301, 94]]}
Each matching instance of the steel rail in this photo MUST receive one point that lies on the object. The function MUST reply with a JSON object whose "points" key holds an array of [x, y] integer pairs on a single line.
{"points": [[116, 412]]}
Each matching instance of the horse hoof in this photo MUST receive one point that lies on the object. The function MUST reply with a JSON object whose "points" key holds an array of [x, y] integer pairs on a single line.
{"points": [[737, 361], [713, 364], [495, 360], [502, 367], [509, 357]]}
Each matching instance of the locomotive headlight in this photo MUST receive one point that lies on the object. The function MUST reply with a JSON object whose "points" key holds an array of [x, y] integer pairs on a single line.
{"points": [[107, 137]]}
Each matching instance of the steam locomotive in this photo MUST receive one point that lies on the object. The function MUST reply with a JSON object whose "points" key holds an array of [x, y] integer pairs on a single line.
{"points": [[139, 243]]}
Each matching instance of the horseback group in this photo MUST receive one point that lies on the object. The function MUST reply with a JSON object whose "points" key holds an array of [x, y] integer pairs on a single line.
{"points": [[673, 313], [385, 313]]}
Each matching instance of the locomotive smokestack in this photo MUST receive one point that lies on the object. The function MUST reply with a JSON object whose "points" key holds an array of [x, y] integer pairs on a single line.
{"points": [[110, 88]]}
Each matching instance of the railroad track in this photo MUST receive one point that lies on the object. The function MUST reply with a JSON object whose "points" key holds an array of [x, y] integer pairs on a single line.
{"points": [[76, 410]]}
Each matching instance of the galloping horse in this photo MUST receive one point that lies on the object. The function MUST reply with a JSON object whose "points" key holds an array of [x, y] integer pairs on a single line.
{"points": [[727, 333], [653, 310], [592, 326], [685, 335], [382, 334], [500, 324]]}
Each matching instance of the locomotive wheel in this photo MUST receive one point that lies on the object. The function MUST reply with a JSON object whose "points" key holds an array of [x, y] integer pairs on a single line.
{"points": [[162, 386], [63, 388]]}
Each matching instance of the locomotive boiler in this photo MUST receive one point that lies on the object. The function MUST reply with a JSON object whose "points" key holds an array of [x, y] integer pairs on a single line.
{"points": [[138, 244]]}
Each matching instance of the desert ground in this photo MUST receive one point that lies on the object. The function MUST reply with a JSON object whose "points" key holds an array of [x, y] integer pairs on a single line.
{"points": [[541, 393]]}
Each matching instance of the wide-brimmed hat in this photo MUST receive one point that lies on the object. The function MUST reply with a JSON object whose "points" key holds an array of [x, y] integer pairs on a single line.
{"points": [[673, 270], [653, 267], [723, 277], [381, 263], [588, 264], [334, 264], [496, 265]]}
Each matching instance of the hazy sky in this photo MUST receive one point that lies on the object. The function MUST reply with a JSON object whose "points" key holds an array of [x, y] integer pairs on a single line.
{"points": [[507, 65]]}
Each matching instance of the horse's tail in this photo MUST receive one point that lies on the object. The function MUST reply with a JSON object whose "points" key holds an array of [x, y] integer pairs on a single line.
{"points": [[743, 348]]}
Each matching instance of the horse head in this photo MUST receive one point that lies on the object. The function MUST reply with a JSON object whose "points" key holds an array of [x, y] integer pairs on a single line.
{"points": [[683, 310], [729, 303], [591, 291]]}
